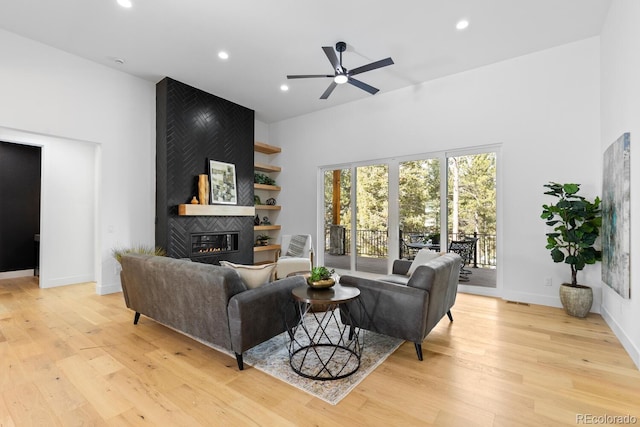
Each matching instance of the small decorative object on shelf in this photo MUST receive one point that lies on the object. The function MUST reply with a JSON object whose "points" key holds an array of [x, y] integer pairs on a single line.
{"points": [[256, 200], [256, 220], [271, 201], [260, 178], [265, 221], [203, 189], [194, 200], [262, 240], [321, 278]]}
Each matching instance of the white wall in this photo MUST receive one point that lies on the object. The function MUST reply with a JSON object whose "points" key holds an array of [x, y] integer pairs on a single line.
{"points": [[61, 100], [620, 88], [543, 108]]}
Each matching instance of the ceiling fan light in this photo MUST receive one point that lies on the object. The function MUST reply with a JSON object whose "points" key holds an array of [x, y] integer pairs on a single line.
{"points": [[462, 24], [340, 79]]}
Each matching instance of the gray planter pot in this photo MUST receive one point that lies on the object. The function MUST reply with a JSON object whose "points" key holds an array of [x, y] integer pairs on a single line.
{"points": [[576, 300]]}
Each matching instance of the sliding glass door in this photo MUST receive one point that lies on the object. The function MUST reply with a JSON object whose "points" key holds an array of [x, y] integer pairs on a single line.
{"points": [[356, 218], [371, 219], [375, 213], [337, 218], [471, 214], [419, 206]]}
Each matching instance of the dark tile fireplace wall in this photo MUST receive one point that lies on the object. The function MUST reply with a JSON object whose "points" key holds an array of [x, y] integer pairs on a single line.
{"points": [[193, 126]]}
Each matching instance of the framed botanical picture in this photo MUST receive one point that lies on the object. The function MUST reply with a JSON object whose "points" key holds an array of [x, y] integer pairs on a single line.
{"points": [[222, 177]]}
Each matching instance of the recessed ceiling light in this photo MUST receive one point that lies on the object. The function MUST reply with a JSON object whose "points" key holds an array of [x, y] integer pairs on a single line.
{"points": [[125, 3], [284, 88], [223, 55], [462, 24], [118, 61]]}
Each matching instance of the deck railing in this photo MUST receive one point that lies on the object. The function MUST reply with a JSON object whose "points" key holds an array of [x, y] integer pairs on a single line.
{"points": [[374, 243]]}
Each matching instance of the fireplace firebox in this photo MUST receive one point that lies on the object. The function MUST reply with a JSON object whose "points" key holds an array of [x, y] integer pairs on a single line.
{"points": [[207, 244]]}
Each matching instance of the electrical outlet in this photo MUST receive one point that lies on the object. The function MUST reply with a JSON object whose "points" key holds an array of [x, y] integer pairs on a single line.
{"points": [[548, 281]]}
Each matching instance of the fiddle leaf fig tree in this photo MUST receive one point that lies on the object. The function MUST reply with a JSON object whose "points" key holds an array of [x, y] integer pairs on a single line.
{"points": [[576, 224]]}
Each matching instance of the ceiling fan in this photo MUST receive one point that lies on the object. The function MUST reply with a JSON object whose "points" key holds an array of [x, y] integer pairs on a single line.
{"points": [[342, 75]]}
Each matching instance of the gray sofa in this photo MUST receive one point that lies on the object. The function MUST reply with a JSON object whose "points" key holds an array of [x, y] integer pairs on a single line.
{"points": [[406, 307], [207, 302]]}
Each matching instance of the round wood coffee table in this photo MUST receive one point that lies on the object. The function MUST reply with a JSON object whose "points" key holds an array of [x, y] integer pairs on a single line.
{"points": [[322, 347]]}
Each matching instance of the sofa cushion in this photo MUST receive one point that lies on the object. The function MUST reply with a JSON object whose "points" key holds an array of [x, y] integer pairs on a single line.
{"points": [[297, 246], [422, 257], [253, 276]]}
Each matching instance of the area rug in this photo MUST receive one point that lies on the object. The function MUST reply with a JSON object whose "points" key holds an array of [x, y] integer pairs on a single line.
{"points": [[272, 357]]}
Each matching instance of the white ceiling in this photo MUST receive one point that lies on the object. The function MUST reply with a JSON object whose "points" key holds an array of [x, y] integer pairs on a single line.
{"points": [[267, 40]]}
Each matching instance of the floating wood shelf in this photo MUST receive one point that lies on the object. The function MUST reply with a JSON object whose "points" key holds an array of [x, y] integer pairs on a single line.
{"points": [[264, 167], [266, 227], [215, 210], [268, 207], [266, 248], [261, 147], [266, 187]]}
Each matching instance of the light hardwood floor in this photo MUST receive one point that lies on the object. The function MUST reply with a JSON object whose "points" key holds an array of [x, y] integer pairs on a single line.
{"points": [[69, 357]]}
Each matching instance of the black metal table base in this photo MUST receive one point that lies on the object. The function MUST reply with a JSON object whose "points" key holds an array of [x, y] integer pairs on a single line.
{"points": [[321, 346]]}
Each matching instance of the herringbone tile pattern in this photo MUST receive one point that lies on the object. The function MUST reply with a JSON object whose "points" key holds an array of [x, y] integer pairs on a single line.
{"points": [[197, 127]]}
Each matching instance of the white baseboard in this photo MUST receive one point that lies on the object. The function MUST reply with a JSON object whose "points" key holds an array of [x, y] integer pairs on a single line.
{"points": [[64, 281], [478, 290], [549, 301], [108, 289], [628, 345], [16, 274]]}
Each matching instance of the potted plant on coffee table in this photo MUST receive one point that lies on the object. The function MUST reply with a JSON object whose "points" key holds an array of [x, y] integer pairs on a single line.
{"points": [[576, 224], [321, 277]]}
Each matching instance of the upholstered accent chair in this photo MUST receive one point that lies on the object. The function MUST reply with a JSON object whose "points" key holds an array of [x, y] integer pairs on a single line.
{"points": [[406, 306], [296, 254]]}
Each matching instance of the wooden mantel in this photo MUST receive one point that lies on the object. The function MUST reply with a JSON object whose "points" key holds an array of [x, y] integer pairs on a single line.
{"points": [[215, 210]]}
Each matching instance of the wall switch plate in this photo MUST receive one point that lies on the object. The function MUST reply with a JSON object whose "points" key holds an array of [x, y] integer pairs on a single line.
{"points": [[548, 281]]}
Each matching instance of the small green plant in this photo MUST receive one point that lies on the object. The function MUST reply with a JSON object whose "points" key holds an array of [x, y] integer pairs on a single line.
{"points": [[320, 273], [576, 224], [260, 178], [263, 239], [137, 249]]}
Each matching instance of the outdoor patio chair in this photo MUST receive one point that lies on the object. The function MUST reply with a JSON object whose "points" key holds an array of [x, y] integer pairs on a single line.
{"points": [[466, 249]]}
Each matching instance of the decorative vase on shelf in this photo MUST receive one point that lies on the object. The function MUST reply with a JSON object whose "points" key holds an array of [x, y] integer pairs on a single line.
{"points": [[203, 189]]}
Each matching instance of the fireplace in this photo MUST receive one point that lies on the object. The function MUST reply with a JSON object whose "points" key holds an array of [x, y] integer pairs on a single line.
{"points": [[182, 150], [207, 244]]}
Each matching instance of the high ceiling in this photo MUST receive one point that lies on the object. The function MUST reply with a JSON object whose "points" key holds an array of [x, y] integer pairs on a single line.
{"points": [[266, 40]]}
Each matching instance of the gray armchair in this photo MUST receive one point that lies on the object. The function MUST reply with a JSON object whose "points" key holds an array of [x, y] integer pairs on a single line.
{"points": [[406, 307]]}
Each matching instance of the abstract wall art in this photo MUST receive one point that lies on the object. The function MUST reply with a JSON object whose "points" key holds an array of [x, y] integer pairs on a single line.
{"points": [[223, 182], [616, 216]]}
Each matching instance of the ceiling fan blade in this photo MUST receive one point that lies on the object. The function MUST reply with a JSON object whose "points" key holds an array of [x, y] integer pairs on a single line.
{"points": [[331, 54], [357, 83], [372, 66], [330, 89], [308, 76]]}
